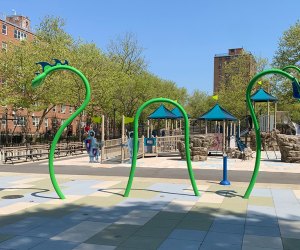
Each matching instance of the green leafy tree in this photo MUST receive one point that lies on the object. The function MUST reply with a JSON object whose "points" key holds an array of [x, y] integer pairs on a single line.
{"points": [[288, 53]]}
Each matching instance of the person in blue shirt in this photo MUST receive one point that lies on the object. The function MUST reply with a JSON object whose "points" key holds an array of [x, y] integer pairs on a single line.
{"points": [[92, 146]]}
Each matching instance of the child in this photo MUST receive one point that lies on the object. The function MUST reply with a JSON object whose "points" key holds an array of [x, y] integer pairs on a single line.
{"points": [[92, 147]]}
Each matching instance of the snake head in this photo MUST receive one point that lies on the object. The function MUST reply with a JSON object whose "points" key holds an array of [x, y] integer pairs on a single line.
{"points": [[296, 89], [45, 67]]}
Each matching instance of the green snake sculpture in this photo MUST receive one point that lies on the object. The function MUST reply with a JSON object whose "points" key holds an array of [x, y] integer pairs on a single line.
{"points": [[296, 91], [37, 81]]}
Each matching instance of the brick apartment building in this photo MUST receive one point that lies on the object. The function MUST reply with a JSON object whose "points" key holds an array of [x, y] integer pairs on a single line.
{"points": [[221, 59], [15, 28]]}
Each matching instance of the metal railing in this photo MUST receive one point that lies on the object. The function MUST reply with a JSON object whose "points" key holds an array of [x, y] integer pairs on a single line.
{"points": [[167, 144]]}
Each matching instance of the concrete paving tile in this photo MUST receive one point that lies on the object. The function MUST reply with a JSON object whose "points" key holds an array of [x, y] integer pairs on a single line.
{"points": [[81, 232], [16, 207], [262, 241], [4, 237], [289, 229], [261, 192], [113, 234], [21, 242], [292, 214], [143, 194], [230, 219], [183, 234], [156, 232], [261, 201], [179, 206], [138, 241], [221, 238], [256, 248], [54, 227], [261, 221], [99, 201], [195, 225], [204, 214], [162, 223], [107, 192], [143, 213], [24, 225], [168, 187], [284, 198], [272, 231], [70, 199], [291, 244], [176, 244], [211, 198], [105, 184], [261, 210], [208, 206], [297, 193], [130, 220], [55, 244], [85, 246], [227, 228], [219, 246], [165, 215]]}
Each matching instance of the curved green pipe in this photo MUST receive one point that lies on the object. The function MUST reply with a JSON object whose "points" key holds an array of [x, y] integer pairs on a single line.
{"points": [[291, 67], [38, 81], [186, 139], [255, 122]]}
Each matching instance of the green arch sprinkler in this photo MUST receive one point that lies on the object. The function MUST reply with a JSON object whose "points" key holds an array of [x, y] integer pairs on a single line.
{"points": [[296, 90], [186, 139], [47, 69]]}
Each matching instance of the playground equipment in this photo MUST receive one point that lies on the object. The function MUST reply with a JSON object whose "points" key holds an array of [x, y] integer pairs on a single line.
{"points": [[296, 94], [37, 81], [135, 143], [223, 125]]}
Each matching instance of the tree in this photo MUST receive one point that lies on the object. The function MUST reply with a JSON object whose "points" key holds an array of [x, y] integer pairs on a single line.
{"points": [[198, 103], [236, 76], [126, 52], [288, 52]]}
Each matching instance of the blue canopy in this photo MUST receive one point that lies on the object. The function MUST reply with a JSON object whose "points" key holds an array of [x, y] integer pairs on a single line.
{"points": [[162, 113], [217, 113], [262, 96], [177, 112]]}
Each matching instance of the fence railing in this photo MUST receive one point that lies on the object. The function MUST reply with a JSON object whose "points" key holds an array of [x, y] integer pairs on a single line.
{"points": [[39, 151], [115, 149], [168, 144]]}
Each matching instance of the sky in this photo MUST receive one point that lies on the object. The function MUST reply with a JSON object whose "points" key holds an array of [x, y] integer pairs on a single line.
{"points": [[179, 37]]}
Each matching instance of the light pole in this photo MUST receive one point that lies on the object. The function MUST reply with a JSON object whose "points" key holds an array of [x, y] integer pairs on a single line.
{"points": [[6, 127]]}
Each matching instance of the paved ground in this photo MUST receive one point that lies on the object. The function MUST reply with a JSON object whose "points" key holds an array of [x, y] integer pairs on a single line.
{"points": [[161, 213], [271, 170]]}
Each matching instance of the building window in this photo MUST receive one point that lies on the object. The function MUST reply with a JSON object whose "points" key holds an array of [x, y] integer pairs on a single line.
{"points": [[3, 122], [46, 123], [71, 110], [35, 121], [4, 29], [54, 109], [63, 109], [19, 120], [4, 46], [19, 35]]}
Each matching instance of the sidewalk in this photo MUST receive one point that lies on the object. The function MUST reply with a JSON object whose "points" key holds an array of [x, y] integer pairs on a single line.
{"points": [[159, 213]]}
